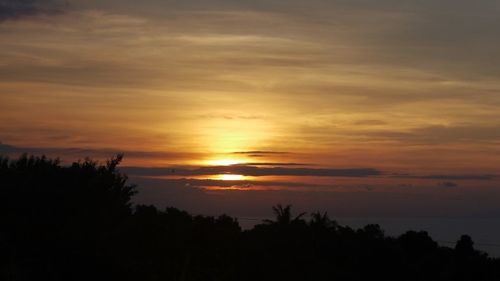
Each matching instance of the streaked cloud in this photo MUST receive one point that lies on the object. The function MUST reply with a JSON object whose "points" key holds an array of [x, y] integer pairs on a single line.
{"points": [[260, 152], [71, 154], [448, 184], [459, 177], [16, 9], [443, 134], [253, 171]]}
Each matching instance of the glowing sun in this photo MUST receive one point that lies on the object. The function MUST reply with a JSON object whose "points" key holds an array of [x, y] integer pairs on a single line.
{"points": [[230, 177]]}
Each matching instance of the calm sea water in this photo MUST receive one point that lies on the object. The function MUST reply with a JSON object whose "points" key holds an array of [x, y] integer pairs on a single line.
{"points": [[484, 232]]}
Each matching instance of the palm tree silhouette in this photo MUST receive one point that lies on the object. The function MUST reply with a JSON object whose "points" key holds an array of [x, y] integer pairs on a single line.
{"points": [[322, 221], [284, 216]]}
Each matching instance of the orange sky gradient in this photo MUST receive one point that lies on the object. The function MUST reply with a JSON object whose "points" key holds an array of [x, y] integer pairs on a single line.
{"points": [[406, 94]]}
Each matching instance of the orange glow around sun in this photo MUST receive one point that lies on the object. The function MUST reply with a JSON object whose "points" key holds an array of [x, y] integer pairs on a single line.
{"points": [[230, 177]]}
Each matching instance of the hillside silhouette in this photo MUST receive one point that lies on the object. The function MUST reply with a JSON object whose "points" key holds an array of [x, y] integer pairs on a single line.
{"points": [[78, 222]]}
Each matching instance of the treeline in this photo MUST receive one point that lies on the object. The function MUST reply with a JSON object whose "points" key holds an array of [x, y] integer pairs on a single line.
{"points": [[78, 223]]}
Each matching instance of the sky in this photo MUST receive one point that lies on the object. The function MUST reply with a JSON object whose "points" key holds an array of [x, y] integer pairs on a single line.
{"points": [[362, 108]]}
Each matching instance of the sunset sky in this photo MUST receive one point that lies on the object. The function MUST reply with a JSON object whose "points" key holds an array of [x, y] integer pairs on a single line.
{"points": [[359, 107]]}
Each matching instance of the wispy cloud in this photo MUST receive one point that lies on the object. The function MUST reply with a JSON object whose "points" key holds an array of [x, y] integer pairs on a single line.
{"points": [[253, 171], [74, 153], [448, 184], [274, 163], [261, 152], [442, 134], [16, 9], [457, 177], [449, 177], [243, 184]]}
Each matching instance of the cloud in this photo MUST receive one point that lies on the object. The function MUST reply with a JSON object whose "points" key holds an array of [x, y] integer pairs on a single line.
{"points": [[74, 153], [447, 177], [231, 116], [243, 184], [273, 163], [370, 122], [253, 171], [458, 177], [10, 150], [441, 134], [448, 184], [15, 9], [260, 152]]}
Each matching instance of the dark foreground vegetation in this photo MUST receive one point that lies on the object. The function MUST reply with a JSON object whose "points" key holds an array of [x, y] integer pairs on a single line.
{"points": [[78, 223]]}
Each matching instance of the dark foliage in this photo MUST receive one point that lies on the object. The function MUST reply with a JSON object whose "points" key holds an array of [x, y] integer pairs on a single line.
{"points": [[78, 223]]}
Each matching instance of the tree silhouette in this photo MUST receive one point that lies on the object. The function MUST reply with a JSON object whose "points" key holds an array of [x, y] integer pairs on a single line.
{"points": [[56, 218], [465, 246], [78, 222], [322, 221], [284, 216]]}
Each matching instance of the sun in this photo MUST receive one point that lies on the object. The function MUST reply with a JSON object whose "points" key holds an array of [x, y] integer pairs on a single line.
{"points": [[230, 177], [224, 162]]}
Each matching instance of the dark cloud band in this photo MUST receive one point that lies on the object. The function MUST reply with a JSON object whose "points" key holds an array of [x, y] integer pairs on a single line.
{"points": [[253, 171], [15, 9]]}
